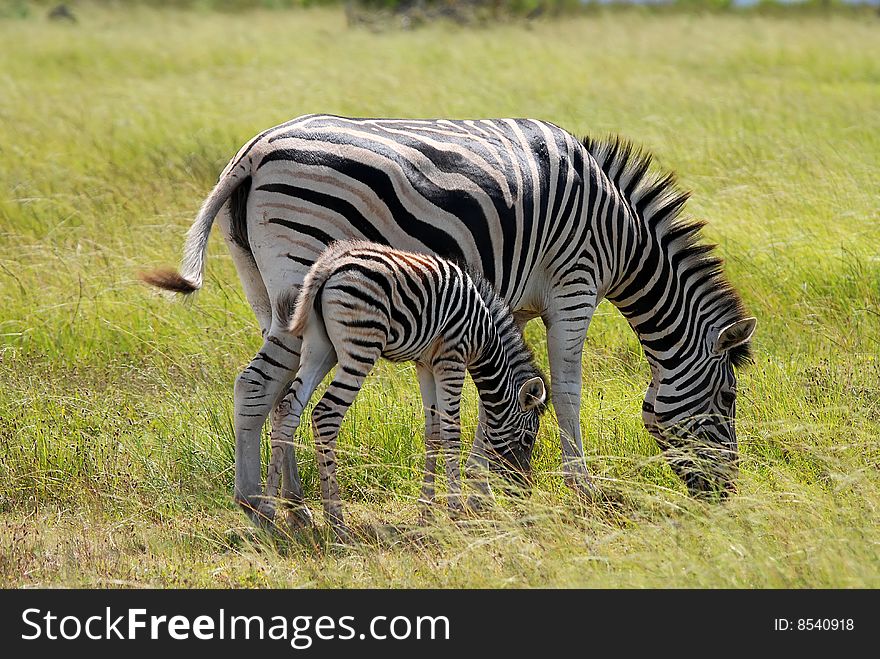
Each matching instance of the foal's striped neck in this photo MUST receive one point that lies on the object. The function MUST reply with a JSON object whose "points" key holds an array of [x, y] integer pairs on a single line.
{"points": [[503, 350]]}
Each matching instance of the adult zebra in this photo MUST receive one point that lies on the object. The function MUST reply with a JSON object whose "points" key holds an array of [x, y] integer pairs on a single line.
{"points": [[552, 222]]}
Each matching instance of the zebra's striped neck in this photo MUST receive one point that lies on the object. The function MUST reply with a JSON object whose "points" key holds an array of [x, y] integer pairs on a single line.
{"points": [[667, 284], [500, 349]]}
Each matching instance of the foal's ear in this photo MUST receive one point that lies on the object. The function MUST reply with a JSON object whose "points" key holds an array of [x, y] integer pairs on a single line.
{"points": [[734, 335], [532, 394]]}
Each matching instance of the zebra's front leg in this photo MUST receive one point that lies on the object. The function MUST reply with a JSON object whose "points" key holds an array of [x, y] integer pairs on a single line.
{"points": [[257, 389], [565, 345], [449, 382], [477, 466], [432, 440]]}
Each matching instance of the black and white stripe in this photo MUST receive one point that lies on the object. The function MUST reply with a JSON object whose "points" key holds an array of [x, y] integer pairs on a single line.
{"points": [[361, 301], [691, 323], [554, 223]]}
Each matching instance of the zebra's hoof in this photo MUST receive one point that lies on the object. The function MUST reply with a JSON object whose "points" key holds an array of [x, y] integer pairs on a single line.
{"points": [[426, 516], [343, 534], [584, 488], [457, 512], [265, 514], [299, 518], [260, 511], [476, 503]]}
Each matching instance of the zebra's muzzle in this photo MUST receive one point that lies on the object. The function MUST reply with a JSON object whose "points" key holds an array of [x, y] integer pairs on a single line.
{"points": [[517, 475], [707, 462]]}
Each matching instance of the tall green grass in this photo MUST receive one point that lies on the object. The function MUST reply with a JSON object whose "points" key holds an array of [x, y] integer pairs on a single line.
{"points": [[116, 443]]}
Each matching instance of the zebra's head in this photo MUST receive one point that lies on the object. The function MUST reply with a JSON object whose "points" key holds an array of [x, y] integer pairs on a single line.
{"points": [[512, 440], [691, 412]]}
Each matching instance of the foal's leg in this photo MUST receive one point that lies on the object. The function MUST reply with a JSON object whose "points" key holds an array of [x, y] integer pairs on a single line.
{"points": [[449, 382], [298, 514], [477, 467], [354, 366], [318, 357], [432, 438], [283, 468]]}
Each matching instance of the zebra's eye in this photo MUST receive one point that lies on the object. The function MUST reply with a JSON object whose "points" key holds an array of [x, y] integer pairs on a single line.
{"points": [[728, 398]]}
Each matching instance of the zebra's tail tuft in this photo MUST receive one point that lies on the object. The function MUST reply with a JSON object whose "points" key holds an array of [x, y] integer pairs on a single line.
{"points": [[192, 271], [169, 280]]}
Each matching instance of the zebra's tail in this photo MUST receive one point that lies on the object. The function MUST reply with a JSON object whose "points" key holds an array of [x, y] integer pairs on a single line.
{"points": [[191, 275]]}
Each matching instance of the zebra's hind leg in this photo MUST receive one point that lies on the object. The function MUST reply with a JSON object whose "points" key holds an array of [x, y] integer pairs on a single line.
{"points": [[318, 357], [432, 440], [257, 390], [298, 515], [283, 468]]}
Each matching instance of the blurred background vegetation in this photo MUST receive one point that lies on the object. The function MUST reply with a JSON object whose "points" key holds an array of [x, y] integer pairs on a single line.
{"points": [[411, 13]]}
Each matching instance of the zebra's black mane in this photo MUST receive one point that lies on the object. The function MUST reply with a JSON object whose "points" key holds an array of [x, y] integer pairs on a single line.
{"points": [[657, 201], [520, 356]]}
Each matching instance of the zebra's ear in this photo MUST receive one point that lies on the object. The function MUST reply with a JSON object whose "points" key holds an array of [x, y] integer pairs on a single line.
{"points": [[734, 335], [532, 394]]}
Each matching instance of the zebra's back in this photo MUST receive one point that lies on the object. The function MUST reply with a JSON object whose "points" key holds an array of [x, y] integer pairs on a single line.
{"points": [[487, 193], [410, 302]]}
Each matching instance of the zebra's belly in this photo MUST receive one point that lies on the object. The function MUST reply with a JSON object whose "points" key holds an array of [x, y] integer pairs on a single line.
{"points": [[408, 350]]}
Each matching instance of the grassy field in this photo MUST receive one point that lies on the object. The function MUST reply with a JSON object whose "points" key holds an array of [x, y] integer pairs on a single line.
{"points": [[116, 440]]}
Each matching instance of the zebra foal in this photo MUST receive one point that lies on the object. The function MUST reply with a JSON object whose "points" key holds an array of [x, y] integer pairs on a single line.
{"points": [[361, 301]]}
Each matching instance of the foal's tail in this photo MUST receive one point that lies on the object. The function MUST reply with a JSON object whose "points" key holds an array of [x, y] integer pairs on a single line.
{"points": [[309, 298], [308, 302]]}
